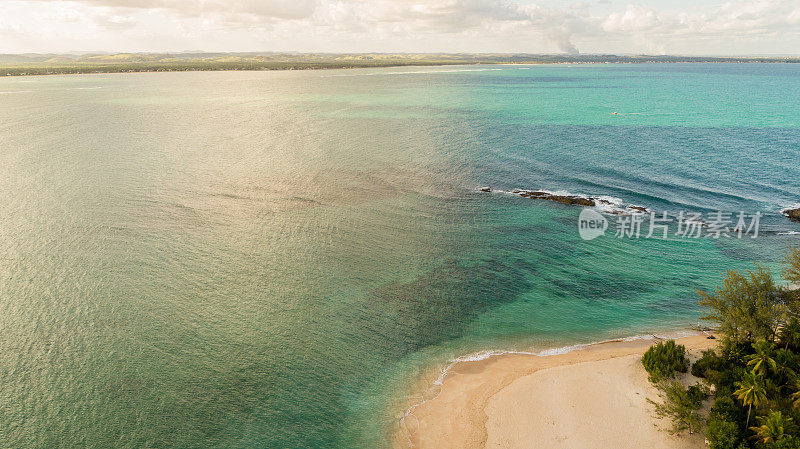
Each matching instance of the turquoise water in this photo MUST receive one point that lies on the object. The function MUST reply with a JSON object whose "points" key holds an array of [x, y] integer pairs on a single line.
{"points": [[271, 259]]}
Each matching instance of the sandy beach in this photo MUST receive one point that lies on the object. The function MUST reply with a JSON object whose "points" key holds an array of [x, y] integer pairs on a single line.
{"points": [[595, 397]]}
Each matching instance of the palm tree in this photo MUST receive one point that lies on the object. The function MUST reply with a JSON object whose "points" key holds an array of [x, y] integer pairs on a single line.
{"points": [[784, 361], [796, 395], [790, 333], [762, 361], [773, 427], [751, 392]]}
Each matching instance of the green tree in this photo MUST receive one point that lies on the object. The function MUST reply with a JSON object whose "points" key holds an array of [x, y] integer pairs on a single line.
{"points": [[772, 428], [662, 359], [762, 362], [680, 405], [752, 373], [791, 272], [747, 307], [790, 333], [722, 434], [787, 442], [707, 363], [726, 408], [796, 395], [751, 391], [791, 263], [785, 364]]}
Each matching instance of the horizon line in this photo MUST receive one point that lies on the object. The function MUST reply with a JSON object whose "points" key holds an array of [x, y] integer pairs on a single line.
{"points": [[303, 52]]}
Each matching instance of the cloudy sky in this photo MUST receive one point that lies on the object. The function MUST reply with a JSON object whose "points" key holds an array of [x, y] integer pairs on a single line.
{"points": [[746, 27]]}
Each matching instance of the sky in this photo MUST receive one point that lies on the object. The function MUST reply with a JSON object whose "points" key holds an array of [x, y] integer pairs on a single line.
{"points": [[746, 27]]}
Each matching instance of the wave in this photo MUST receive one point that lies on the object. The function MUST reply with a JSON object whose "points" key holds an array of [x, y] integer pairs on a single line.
{"points": [[611, 205], [603, 203], [487, 354], [790, 207]]}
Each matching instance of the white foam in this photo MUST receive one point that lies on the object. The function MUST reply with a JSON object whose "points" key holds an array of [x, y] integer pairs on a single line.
{"points": [[605, 204], [609, 204], [560, 351], [789, 233], [794, 206], [610, 199]]}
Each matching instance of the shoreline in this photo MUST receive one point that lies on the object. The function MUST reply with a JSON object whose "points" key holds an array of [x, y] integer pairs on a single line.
{"points": [[458, 408], [258, 69], [13, 71]]}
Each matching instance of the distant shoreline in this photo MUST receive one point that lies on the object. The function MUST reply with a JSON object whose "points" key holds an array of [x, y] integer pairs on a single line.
{"points": [[37, 65]]}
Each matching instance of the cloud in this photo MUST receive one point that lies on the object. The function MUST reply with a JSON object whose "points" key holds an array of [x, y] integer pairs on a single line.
{"points": [[635, 18], [114, 22], [377, 18], [488, 18], [411, 25], [732, 20], [745, 18], [279, 9]]}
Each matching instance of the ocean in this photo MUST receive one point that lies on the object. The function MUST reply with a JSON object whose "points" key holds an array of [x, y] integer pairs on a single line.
{"points": [[276, 259]]}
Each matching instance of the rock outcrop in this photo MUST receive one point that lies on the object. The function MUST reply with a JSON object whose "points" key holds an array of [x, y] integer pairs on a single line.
{"points": [[792, 214], [605, 204]]}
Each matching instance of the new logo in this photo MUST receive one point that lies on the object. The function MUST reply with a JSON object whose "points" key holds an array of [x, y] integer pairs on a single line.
{"points": [[591, 224]]}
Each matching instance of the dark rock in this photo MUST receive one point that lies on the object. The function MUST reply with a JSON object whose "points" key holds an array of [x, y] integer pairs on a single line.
{"points": [[580, 201], [563, 199], [792, 214]]}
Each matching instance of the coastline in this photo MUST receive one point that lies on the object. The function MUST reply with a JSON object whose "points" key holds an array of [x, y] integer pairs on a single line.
{"points": [[479, 400], [88, 64], [6, 72]]}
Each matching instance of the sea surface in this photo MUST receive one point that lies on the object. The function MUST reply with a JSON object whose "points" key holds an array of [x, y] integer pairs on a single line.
{"points": [[273, 259]]}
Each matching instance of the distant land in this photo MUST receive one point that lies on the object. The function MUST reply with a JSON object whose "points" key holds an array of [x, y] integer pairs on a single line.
{"points": [[55, 64]]}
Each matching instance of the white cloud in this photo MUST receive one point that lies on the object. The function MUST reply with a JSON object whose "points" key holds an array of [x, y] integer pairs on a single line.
{"points": [[746, 18], [283, 9], [768, 26], [487, 18], [635, 18]]}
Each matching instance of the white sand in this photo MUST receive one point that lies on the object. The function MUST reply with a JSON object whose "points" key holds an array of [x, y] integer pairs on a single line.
{"points": [[592, 398]]}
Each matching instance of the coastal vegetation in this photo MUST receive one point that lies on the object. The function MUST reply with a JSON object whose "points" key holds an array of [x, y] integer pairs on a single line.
{"points": [[681, 405], [754, 374], [52, 64], [662, 360]]}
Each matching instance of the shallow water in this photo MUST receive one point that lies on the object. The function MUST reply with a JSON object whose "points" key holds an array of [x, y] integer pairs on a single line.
{"points": [[269, 259]]}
